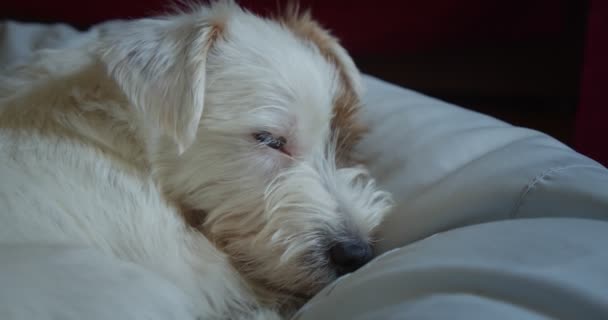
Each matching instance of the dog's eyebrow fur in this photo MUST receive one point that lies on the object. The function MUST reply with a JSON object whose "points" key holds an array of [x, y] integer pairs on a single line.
{"points": [[344, 124]]}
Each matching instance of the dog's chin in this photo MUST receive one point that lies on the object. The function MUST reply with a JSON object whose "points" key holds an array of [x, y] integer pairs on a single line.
{"points": [[287, 285], [271, 291]]}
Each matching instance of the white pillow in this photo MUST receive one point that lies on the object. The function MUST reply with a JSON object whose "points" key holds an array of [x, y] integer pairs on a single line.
{"points": [[449, 167], [526, 269]]}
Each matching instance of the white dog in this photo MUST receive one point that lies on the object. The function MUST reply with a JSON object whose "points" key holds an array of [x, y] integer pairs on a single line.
{"points": [[212, 147]]}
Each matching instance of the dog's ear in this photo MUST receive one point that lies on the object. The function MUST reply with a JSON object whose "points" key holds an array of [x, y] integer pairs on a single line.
{"points": [[160, 66], [301, 23], [345, 124]]}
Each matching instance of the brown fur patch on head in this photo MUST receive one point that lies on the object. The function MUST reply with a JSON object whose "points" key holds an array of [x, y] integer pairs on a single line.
{"points": [[345, 125]]}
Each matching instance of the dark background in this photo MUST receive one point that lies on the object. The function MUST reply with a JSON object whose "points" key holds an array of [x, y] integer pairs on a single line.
{"points": [[534, 63]]}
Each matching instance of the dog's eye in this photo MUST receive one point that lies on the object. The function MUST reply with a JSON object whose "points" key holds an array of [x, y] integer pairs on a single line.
{"points": [[266, 138]]}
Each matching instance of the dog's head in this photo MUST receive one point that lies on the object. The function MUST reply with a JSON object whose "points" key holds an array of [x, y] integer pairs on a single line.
{"points": [[250, 124]]}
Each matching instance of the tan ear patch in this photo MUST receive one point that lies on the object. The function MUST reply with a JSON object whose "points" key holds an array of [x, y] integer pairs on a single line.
{"points": [[344, 124]]}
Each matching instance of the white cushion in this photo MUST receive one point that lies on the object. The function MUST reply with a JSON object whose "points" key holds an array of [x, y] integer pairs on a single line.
{"points": [[449, 167], [18, 40], [527, 269]]}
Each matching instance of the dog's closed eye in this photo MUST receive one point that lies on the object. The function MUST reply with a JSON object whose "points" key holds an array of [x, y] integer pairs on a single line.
{"points": [[268, 139]]}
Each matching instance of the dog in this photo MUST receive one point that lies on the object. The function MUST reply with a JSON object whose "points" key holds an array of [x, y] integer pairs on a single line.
{"points": [[212, 146]]}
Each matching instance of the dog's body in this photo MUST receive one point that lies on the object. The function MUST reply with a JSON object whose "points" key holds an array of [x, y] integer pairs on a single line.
{"points": [[211, 148]]}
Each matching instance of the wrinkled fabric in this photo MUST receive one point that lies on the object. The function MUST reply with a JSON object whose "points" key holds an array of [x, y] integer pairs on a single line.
{"points": [[449, 167], [525, 269]]}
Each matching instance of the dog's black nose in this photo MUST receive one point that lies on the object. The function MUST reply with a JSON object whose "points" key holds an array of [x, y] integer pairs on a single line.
{"points": [[350, 256]]}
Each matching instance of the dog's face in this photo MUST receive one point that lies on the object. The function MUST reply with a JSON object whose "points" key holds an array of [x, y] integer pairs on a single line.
{"points": [[251, 123]]}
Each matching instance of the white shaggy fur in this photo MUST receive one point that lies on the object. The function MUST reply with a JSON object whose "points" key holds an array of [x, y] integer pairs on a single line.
{"points": [[142, 146]]}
